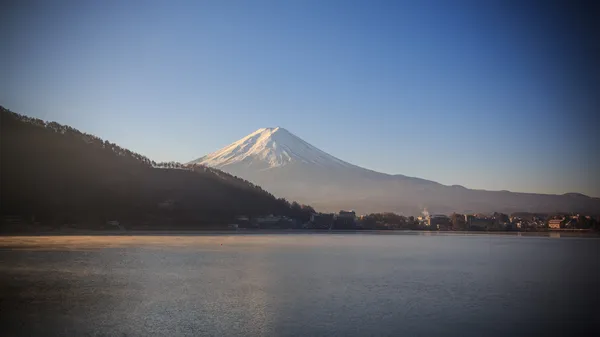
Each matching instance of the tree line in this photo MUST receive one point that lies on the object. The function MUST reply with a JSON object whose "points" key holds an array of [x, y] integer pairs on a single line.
{"points": [[55, 174]]}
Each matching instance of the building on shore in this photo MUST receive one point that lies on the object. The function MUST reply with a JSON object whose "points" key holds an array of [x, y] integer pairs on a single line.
{"points": [[243, 221], [481, 224], [439, 221], [321, 220], [555, 223], [271, 221], [501, 220], [345, 220]]}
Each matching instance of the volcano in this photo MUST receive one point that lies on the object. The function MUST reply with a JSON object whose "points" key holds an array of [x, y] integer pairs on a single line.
{"points": [[287, 166]]}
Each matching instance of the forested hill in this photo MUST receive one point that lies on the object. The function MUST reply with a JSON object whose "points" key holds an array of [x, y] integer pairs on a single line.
{"points": [[55, 174]]}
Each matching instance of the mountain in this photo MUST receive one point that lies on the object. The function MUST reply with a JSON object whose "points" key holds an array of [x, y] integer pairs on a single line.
{"points": [[61, 175], [270, 148], [286, 165]]}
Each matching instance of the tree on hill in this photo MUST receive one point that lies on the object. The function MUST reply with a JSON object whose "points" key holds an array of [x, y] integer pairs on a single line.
{"points": [[57, 173]]}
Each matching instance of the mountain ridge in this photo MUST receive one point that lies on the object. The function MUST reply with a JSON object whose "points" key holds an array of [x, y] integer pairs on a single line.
{"points": [[59, 175], [286, 165]]}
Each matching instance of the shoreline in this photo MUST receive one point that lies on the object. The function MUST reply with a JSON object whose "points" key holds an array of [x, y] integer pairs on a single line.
{"points": [[569, 233]]}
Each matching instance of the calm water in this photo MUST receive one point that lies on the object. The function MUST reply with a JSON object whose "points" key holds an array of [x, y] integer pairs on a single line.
{"points": [[299, 285]]}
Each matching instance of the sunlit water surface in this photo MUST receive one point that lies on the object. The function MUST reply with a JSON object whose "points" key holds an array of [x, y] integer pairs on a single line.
{"points": [[299, 285]]}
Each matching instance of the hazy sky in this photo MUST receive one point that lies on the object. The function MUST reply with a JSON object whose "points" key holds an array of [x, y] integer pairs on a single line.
{"points": [[486, 94]]}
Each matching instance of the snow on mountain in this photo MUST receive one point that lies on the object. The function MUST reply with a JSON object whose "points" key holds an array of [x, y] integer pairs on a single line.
{"points": [[269, 148], [289, 167]]}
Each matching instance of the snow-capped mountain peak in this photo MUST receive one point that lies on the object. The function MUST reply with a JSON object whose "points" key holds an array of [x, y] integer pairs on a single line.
{"points": [[268, 148], [289, 167]]}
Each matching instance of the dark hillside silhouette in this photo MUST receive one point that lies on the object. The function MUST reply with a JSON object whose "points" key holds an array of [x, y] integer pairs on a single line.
{"points": [[56, 175]]}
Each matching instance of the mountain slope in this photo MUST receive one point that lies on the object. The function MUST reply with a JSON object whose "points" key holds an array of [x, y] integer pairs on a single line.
{"points": [[59, 175], [288, 166], [268, 148]]}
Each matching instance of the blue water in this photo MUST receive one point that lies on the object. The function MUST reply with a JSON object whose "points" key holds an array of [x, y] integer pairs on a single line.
{"points": [[299, 285]]}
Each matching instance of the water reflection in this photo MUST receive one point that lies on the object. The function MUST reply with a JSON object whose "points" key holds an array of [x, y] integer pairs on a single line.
{"points": [[253, 281], [295, 285]]}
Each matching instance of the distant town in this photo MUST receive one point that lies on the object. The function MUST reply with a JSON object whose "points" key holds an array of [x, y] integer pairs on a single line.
{"points": [[349, 220]]}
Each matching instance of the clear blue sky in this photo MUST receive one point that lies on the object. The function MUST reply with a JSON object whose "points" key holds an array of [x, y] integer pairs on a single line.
{"points": [[486, 94]]}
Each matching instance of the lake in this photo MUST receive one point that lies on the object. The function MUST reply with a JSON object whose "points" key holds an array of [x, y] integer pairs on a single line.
{"points": [[401, 284]]}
